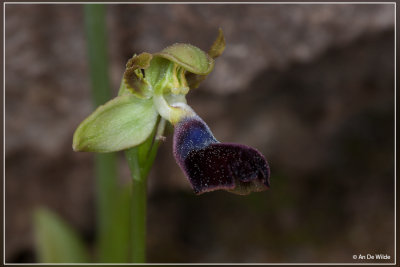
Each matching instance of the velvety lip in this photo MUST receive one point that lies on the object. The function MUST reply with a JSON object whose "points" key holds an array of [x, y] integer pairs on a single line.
{"points": [[210, 165]]}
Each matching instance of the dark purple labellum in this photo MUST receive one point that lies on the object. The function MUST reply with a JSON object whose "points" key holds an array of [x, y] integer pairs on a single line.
{"points": [[211, 165]]}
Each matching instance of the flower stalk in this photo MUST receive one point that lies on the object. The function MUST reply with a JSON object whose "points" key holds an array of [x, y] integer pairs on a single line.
{"points": [[140, 159], [138, 207], [153, 91]]}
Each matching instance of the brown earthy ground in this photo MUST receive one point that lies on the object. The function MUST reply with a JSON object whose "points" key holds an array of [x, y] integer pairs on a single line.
{"points": [[310, 86]]}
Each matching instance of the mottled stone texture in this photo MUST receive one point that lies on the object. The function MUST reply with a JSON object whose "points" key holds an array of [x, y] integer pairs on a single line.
{"points": [[310, 86]]}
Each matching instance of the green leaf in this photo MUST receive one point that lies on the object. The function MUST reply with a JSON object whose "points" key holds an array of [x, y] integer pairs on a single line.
{"points": [[188, 56], [121, 123], [57, 242]]}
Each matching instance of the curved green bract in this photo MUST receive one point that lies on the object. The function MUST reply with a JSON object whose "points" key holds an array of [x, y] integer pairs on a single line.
{"points": [[190, 57], [121, 123]]}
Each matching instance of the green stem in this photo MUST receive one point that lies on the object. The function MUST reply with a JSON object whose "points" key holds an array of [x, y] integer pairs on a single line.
{"points": [[105, 164], [140, 159], [139, 205], [97, 51], [139, 201]]}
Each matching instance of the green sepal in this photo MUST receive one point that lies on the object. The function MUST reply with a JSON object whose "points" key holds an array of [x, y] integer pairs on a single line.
{"points": [[56, 241], [216, 49], [121, 123], [133, 79], [188, 56]]}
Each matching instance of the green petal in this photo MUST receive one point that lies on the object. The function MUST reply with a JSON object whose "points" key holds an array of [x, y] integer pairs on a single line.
{"points": [[133, 79], [190, 57], [218, 46], [121, 123], [141, 61]]}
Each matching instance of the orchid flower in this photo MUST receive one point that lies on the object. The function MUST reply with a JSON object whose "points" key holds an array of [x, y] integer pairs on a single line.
{"points": [[153, 90]]}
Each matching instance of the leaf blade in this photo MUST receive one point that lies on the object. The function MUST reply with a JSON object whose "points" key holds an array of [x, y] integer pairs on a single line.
{"points": [[56, 241]]}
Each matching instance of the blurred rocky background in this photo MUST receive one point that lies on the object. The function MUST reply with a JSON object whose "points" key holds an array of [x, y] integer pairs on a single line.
{"points": [[310, 86]]}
